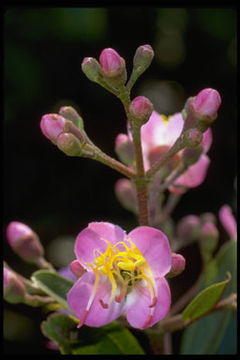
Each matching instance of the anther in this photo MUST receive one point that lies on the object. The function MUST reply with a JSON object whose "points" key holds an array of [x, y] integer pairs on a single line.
{"points": [[104, 305]]}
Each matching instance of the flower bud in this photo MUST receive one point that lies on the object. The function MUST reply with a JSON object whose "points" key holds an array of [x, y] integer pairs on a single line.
{"points": [[69, 113], [228, 221], [209, 237], [178, 265], [141, 109], [192, 137], [124, 149], [91, 68], [191, 155], [69, 144], [24, 242], [52, 125], [113, 67], [208, 217], [207, 102], [126, 194], [188, 228], [13, 287], [143, 58], [76, 268]]}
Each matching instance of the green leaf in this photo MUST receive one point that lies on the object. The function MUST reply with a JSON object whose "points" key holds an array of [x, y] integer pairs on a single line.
{"points": [[205, 300], [109, 339], [54, 285], [206, 335]]}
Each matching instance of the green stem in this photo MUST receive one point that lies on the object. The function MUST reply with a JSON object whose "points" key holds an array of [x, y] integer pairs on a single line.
{"points": [[140, 180], [177, 146]]}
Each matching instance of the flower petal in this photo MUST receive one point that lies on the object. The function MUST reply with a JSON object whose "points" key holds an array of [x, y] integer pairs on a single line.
{"points": [[80, 293], [154, 246], [228, 221], [138, 301], [195, 174], [89, 239], [207, 140]]}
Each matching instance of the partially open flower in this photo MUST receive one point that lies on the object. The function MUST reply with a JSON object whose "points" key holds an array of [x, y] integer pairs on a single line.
{"points": [[125, 274]]}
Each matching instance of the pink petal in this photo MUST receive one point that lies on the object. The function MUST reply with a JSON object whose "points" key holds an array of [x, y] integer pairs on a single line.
{"points": [[154, 246], [138, 301], [155, 132], [207, 140], [195, 174], [228, 221], [89, 239], [80, 293]]}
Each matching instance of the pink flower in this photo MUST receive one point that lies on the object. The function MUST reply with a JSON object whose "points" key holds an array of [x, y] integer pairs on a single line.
{"points": [[125, 274], [159, 134], [228, 221]]}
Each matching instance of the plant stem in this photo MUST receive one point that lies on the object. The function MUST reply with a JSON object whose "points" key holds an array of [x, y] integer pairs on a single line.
{"points": [[140, 180], [177, 146]]}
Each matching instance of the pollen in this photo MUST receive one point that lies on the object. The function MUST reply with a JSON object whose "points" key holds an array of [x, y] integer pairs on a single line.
{"points": [[124, 264]]}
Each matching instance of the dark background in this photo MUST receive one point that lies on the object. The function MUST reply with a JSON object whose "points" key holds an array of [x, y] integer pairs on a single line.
{"points": [[57, 195]]}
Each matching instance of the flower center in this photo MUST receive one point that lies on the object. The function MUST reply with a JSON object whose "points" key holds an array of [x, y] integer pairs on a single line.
{"points": [[124, 265]]}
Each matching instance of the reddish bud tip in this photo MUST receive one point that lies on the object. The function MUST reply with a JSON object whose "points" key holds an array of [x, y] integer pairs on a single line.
{"points": [[178, 265], [111, 62], [76, 268], [24, 242], [207, 102], [141, 108], [52, 125]]}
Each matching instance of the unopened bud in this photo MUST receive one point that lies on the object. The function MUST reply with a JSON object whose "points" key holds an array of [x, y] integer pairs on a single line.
{"points": [[91, 68], [124, 149], [13, 287], [69, 113], [228, 221], [178, 265], [209, 237], [126, 194], [24, 242], [207, 102], [143, 58], [208, 217], [76, 268], [113, 67], [52, 125], [192, 137], [141, 109], [69, 144], [191, 155], [188, 228]]}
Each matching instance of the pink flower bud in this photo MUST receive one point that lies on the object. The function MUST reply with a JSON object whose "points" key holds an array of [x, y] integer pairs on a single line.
{"points": [[124, 149], [91, 68], [191, 155], [178, 265], [76, 268], [126, 194], [207, 102], [141, 108], [14, 289], [111, 62], [193, 137], [188, 227], [143, 58], [24, 242], [69, 144], [228, 221], [52, 125]]}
